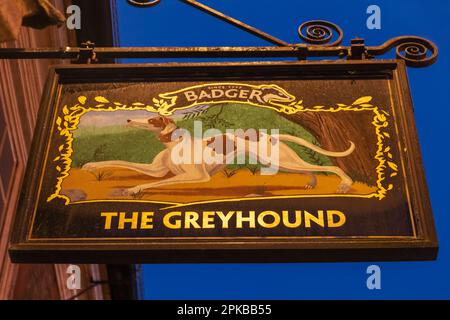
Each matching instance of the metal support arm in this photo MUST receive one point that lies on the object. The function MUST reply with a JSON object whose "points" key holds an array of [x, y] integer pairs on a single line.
{"points": [[317, 35]]}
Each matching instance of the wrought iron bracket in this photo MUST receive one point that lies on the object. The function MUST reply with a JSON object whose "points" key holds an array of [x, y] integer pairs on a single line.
{"points": [[358, 50], [234, 22], [322, 39], [87, 53]]}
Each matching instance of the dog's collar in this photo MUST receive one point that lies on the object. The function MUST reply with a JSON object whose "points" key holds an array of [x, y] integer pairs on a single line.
{"points": [[166, 137]]}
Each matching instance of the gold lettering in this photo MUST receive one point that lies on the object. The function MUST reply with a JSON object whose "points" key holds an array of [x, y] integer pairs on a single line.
{"points": [[108, 219], [264, 224], [133, 220], [330, 219], [232, 93], [208, 220], [191, 218], [216, 93], [250, 219], [169, 224], [225, 218], [147, 220], [243, 94], [318, 220], [190, 96], [256, 94], [203, 95], [298, 219]]}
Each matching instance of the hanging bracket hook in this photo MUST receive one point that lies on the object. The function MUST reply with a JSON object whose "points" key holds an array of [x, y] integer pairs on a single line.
{"points": [[143, 3], [87, 53]]}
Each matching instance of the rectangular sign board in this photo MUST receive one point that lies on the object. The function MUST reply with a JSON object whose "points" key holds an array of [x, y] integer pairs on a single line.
{"points": [[225, 162]]}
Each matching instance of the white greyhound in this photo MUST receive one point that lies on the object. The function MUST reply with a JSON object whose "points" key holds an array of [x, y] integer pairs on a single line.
{"points": [[162, 164]]}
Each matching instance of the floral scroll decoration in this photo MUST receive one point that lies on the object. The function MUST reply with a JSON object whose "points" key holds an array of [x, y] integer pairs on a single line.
{"points": [[67, 122], [386, 168]]}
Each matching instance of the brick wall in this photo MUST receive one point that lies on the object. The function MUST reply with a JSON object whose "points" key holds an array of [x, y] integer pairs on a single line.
{"points": [[21, 83]]}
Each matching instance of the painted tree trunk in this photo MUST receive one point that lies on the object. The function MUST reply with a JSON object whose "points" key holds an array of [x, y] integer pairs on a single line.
{"points": [[334, 131]]}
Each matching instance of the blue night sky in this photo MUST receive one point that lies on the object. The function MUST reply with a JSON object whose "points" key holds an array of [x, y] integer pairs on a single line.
{"points": [[173, 23]]}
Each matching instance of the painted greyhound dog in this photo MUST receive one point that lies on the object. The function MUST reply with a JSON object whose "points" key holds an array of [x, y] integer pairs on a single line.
{"points": [[162, 164]]}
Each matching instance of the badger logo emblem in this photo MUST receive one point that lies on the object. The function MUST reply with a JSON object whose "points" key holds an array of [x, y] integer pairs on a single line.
{"points": [[265, 95]]}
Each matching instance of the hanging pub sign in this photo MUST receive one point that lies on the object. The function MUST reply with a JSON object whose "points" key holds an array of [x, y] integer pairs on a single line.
{"points": [[279, 161]]}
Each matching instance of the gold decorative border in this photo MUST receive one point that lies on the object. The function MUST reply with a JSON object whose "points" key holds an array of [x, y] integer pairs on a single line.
{"points": [[68, 122]]}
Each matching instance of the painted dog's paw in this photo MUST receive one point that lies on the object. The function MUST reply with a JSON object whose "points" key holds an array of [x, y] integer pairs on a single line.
{"points": [[343, 188], [132, 191], [308, 187], [90, 166], [122, 192], [117, 193]]}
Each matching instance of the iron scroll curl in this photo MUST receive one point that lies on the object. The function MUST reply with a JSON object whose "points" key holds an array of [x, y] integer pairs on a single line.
{"points": [[415, 51], [320, 32]]}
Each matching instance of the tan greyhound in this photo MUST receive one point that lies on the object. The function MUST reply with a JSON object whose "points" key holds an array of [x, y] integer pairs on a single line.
{"points": [[163, 127]]}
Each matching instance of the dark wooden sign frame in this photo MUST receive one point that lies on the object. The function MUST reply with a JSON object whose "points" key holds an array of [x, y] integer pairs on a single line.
{"points": [[422, 246]]}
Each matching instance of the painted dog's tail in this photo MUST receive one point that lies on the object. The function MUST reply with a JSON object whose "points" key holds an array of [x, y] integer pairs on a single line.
{"points": [[309, 145]]}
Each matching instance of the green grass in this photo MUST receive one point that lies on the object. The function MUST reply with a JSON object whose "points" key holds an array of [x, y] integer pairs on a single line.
{"points": [[114, 143], [137, 145], [227, 116]]}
